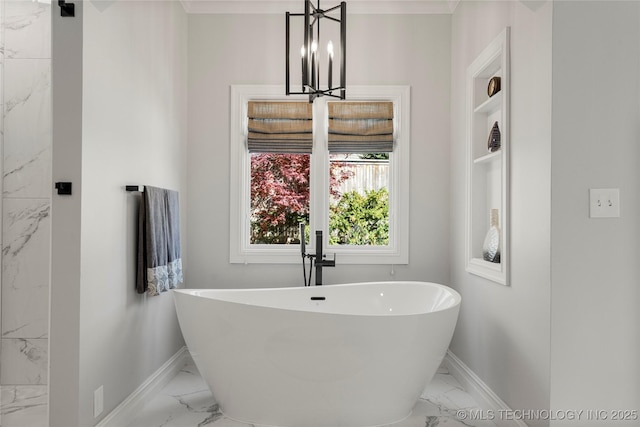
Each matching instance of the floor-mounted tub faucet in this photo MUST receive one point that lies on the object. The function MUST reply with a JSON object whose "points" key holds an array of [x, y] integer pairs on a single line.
{"points": [[320, 258]]}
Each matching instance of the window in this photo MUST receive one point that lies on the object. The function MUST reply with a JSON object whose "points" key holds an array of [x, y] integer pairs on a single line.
{"points": [[359, 199], [360, 143], [279, 143], [344, 183], [279, 197]]}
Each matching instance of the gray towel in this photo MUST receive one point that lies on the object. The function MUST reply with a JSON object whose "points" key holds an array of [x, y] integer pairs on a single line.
{"points": [[159, 256]]}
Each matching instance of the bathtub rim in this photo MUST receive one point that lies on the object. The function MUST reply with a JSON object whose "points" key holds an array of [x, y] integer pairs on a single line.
{"points": [[457, 298]]}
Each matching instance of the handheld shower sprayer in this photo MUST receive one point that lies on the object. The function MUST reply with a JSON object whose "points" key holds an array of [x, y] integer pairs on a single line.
{"points": [[302, 240], [303, 252]]}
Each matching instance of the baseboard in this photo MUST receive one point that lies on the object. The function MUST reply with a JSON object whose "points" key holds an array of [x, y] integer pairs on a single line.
{"points": [[483, 395], [125, 412]]}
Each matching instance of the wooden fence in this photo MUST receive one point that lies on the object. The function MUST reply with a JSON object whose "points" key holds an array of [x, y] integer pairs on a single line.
{"points": [[368, 175]]}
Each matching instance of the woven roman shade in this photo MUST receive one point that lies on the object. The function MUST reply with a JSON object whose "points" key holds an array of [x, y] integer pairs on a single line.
{"points": [[280, 127], [361, 127]]}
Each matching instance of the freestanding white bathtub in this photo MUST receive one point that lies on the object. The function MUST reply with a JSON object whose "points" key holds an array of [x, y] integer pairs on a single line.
{"points": [[348, 355]]}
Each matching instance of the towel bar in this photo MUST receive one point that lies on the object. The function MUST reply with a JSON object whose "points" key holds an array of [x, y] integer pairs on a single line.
{"points": [[135, 188]]}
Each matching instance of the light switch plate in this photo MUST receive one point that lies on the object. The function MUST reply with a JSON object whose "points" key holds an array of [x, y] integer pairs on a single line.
{"points": [[604, 203]]}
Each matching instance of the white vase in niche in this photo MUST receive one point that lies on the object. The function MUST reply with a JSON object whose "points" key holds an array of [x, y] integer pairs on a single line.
{"points": [[491, 246]]}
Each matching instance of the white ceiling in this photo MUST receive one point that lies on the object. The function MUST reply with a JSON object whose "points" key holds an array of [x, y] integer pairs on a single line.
{"points": [[297, 6]]}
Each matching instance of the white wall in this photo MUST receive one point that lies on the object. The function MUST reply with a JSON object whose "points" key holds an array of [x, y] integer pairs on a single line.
{"points": [[595, 336], [249, 49], [64, 341], [134, 116], [503, 332]]}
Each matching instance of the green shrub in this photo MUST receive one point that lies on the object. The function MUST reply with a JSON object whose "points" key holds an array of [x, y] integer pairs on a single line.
{"points": [[358, 219]]}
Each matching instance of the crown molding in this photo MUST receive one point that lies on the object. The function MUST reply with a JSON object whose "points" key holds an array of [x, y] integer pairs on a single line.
{"points": [[360, 7]]}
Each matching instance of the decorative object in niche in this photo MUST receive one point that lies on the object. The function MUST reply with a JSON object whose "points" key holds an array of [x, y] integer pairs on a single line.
{"points": [[493, 87], [491, 246], [493, 144]]}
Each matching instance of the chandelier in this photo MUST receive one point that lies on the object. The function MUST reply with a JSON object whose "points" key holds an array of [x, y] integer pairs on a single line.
{"points": [[312, 61]]}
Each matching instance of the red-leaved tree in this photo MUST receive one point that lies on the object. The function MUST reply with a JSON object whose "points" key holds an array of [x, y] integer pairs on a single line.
{"points": [[280, 195]]}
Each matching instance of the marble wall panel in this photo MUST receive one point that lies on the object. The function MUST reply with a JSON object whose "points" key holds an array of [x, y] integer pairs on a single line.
{"points": [[27, 29], [25, 268], [27, 128], [22, 406], [25, 137], [1, 86], [2, 4], [24, 361]]}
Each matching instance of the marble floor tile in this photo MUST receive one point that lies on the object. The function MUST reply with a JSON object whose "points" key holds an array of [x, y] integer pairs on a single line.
{"points": [[187, 402]]}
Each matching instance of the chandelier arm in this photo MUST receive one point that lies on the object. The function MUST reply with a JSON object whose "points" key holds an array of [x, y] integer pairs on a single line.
{"points": [[332, 9], [333, 19]]}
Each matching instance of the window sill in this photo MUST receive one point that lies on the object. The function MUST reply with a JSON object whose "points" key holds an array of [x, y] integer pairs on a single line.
{"points": [[346, 256]]}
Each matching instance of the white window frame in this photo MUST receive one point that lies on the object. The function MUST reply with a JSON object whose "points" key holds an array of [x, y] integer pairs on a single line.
{"points": [[241, 251]]}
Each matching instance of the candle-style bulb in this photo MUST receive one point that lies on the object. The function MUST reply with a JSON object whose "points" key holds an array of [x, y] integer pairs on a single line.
{"points": [[330, 71], [303, 67], [314, 65]]}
